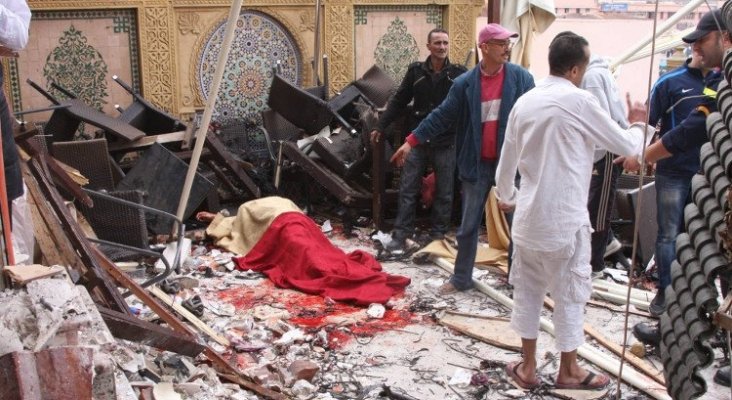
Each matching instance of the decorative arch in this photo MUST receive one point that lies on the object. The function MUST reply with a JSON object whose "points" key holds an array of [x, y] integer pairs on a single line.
{"points": [[260, 40]]}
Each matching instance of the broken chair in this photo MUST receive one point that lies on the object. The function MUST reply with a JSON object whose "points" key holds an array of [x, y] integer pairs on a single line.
{"points": [[118, 217], [144, 116], [65, 121]]}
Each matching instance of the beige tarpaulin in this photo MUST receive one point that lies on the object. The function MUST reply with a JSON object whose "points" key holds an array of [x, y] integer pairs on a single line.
{"points": [[240, 233], [526, 17], [495, 255]]}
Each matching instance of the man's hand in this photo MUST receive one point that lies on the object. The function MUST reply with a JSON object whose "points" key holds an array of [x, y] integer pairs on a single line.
{"points": [[629, 163], [375, 137], [6, 52], [636, 110], [505, 207], [400, 156]]}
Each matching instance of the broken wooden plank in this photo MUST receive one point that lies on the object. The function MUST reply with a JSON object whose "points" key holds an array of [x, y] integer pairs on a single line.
{"points": [[221, 365], [136, 330], [491, 330], [68, 231], [147, 141], [189, 316], [49, 164], [22, 274]]}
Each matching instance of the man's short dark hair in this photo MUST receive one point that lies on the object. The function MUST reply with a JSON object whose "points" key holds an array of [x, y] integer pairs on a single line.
{"points": [[566, 50], [436, 30]]}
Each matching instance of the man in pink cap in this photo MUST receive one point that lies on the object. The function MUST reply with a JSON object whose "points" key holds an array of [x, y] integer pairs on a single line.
{"points": [[478, 103]]}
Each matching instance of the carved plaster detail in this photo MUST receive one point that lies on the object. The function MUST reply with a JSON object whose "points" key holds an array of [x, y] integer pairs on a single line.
{"points": [[189, 23], [339, 45], [307, 20], [158, 71], [462, 34]]}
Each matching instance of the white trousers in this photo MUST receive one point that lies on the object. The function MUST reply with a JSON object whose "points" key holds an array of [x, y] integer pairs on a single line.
{"points": [[566, 275]]}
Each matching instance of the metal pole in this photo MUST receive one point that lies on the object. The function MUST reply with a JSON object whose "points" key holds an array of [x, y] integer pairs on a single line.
{"points": [[213, 94]]}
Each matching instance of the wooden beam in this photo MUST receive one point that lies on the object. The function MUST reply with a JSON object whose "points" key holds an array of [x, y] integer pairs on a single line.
{"points": [[162, 296], [147, 141], [97, 280], [136, 330], [494, 11], [221, 365]]}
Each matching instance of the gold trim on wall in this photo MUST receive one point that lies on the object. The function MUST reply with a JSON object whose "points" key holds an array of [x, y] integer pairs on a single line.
{"points": [[160, 32]]}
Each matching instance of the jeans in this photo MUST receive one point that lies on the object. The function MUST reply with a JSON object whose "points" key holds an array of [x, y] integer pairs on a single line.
{"points": [[474, 197], [672, 195], [443, 162], [604, 199]]}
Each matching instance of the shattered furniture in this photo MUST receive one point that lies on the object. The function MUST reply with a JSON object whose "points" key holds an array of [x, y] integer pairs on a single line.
{"points": [[345, 159], [160, 175], [693, 312], [146, 117], [626, 200], [140, 126], [62, 241], [118, 214], [65, 121]]}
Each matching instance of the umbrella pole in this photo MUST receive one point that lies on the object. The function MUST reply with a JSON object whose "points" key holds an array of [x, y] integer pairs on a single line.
{"points": [[213, 94], [494, 11]]}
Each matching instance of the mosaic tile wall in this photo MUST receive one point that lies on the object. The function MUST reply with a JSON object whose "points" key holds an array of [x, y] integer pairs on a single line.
{"points": [[260, 45], [392, 37], [80, 51]]}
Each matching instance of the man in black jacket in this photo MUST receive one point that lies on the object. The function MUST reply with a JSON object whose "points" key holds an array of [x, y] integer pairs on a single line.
{"points": [[427, 84]]}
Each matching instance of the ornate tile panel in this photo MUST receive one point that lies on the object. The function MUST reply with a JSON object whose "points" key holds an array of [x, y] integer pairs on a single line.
{"points": [[80, 50], [260, 44]]}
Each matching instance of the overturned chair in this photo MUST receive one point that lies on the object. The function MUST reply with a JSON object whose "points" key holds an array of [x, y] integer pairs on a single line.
{"points": [[117, 217], [344, 160]]}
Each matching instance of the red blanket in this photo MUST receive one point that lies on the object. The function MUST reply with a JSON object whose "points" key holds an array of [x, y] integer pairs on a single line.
{"points": [[294, 253]]}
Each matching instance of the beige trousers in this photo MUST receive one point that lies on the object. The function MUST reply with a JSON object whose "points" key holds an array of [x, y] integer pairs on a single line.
{"points": [[566, 275]]}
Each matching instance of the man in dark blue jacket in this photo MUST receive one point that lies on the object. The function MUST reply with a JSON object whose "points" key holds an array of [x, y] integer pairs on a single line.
{"points": [[478, 104], [426, 83], [674, 96], [710, 40]]}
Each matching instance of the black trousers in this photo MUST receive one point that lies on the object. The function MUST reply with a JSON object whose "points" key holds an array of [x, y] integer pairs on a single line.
{"points": [[600, 204]]}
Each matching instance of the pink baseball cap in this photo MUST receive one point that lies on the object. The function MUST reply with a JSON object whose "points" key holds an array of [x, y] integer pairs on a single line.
{"points": [[494, 31]]}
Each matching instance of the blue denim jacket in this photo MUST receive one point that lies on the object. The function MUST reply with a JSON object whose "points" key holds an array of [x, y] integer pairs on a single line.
{"points": [[463, 107]]}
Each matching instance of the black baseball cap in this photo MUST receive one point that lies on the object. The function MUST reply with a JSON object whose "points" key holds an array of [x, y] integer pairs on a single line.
{"points": [[707, 23]]}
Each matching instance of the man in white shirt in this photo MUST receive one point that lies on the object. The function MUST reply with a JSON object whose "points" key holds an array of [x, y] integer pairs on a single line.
{"points": [[550, 139]]}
